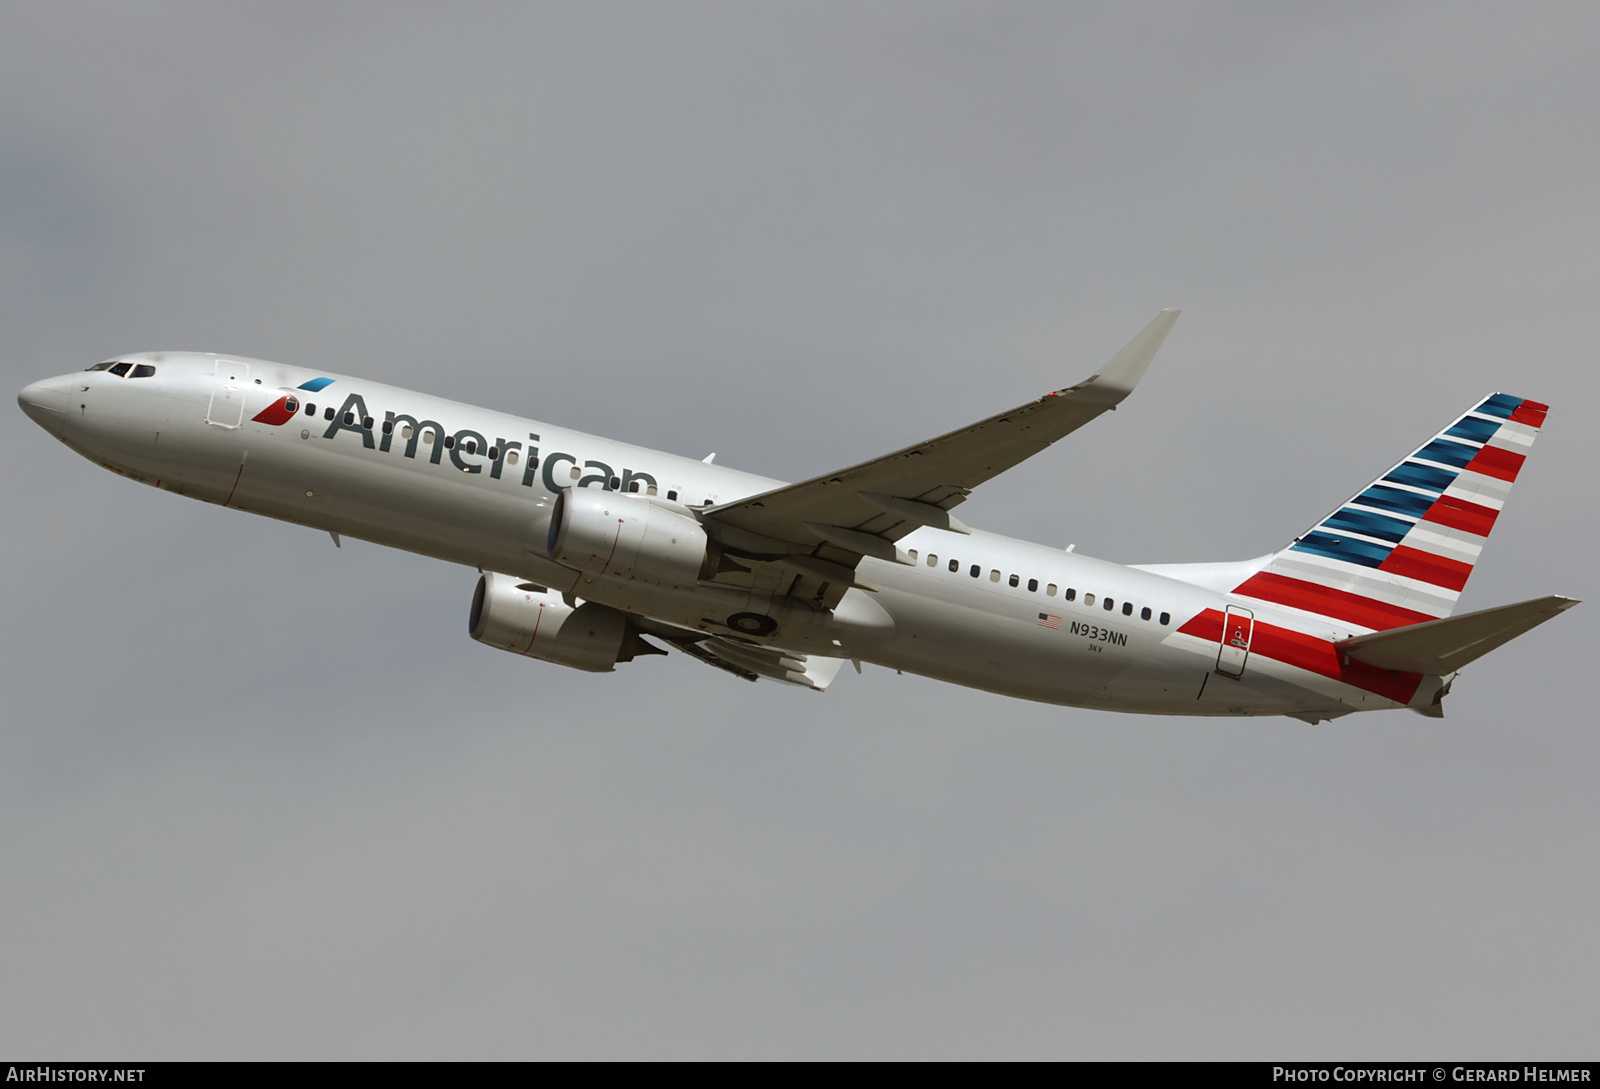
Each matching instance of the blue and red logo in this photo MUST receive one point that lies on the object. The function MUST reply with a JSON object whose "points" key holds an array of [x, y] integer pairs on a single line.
{"points": [[284, 408]]}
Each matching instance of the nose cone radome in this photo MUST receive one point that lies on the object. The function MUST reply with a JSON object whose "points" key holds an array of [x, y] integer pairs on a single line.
{"points": [[46, 402]]}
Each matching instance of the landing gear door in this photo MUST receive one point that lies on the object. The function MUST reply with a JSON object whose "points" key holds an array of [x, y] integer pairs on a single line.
{"points": [[1237, 627], [228, 387]]}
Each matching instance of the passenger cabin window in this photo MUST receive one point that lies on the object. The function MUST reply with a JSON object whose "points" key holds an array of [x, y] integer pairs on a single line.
{"points": [[1033, 585], [1014, 581], [405, 432], [511, 457], [388, 427], [449, 442], [976, 570], [291, 404], [955, 565], [1050, 591], [673, 495], [912, 553], [311, 409], [1088, 599], [1144, 613], [349, 418], [1127, 608], [1166, 618], [327, 413], [144, 370], [121, 369], [1110, 603], [994, 576], [1071, 594], [933, 560], [366, 422]]}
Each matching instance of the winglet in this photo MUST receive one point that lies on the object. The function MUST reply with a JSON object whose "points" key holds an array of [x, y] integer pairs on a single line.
{"points": [[1118, 377]]}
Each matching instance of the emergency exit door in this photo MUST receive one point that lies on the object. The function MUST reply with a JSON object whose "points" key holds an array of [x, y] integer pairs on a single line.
{"points": [[1237, 627]]}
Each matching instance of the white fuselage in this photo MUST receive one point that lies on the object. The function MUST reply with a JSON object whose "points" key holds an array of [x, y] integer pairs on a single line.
{"points": [[1010, 628]]}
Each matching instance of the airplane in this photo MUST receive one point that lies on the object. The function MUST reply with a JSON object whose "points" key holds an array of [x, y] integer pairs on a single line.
{"points": [[593, 552]]}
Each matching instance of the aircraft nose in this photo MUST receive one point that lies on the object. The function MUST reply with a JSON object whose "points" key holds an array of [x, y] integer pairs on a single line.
{"points": [[46, 402]]}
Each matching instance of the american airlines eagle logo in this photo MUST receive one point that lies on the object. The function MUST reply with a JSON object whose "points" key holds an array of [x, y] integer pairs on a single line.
{"points": [[284, 408]]}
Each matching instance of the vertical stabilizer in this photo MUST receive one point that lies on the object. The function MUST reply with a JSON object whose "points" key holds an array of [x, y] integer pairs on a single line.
{"points": [[1400, 552]]}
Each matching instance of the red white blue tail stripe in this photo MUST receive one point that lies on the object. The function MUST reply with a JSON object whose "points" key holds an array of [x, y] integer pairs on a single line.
{"points": [[1400, 552]]}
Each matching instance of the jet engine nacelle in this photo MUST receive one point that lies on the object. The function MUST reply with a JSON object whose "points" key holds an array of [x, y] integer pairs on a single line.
{"points": [[530, 620], [619, 536]]}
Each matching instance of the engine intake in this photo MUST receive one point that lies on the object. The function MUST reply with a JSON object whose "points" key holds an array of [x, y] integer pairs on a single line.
{"points": [[535, 622], [619, 536]]}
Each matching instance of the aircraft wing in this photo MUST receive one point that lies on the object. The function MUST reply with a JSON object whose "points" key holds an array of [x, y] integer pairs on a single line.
{"points": [[864, 509]]}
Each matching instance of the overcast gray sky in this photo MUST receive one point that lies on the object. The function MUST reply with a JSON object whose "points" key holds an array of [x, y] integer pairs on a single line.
{"points": [[264, 798]]}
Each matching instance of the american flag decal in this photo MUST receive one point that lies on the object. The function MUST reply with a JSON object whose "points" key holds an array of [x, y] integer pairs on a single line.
{"points": [[1048, 621]]}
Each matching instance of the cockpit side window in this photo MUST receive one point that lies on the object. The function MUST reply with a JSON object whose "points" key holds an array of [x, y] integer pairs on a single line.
{"points": [[121, 369], [103, 366], [143, 370]]}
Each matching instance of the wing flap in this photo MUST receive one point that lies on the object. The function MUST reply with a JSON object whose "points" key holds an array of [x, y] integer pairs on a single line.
{"points": [[749, 660], [806, 670]]}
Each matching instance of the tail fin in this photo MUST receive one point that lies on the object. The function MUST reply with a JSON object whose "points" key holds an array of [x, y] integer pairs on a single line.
{"points": [[1399, 552]]}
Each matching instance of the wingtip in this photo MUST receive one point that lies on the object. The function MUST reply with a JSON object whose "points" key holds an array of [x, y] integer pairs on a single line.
{"points": [[1118, 378]]}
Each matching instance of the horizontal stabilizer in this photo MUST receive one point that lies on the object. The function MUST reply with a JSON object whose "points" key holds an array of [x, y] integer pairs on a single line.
{"points": [[1440, 647]]}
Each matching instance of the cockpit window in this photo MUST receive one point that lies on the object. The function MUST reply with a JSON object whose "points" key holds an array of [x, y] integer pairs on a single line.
{"points": [[144, 370], [102, 366], [121, 369]]}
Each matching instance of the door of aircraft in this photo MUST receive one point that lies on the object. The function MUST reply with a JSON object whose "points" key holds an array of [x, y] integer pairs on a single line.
{"points": [[228, 386], [1237, 627]]}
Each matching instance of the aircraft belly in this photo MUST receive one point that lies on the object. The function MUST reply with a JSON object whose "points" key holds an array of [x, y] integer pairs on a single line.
{"points": [[403, 506], [1090, 665], [975, 645]]}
